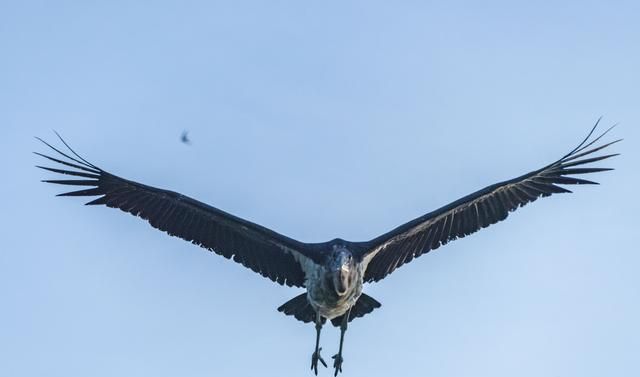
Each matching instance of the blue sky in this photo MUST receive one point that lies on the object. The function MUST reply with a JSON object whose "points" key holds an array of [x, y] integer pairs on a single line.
{"points": [[333, 119]]}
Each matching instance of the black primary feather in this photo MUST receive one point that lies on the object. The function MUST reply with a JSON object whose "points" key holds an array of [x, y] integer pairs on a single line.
{"points": [[488, 206], [258, 248]]}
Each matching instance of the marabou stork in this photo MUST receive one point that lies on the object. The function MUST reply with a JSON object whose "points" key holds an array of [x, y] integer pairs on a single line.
{"points": [[332, 272]]}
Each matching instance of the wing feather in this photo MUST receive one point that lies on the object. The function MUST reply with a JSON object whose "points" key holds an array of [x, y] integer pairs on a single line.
{"points": [[262, 250], [490, 205]]}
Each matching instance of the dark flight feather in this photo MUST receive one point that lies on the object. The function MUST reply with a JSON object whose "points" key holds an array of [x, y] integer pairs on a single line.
{"points": [[258, 248], [478, 210]]}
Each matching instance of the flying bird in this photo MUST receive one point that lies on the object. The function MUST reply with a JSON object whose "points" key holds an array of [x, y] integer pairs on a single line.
{"points": [[185, 137], [332, 272]]}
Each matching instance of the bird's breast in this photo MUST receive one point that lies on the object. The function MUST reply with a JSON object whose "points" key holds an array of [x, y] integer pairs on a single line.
{"points": [[323, 296]]}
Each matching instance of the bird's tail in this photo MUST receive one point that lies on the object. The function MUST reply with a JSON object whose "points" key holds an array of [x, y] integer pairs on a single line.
{"points": [[301, 309], [364, 305]]}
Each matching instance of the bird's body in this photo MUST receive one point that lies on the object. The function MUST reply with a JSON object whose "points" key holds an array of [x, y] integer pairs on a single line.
{"points": [[321, 281], [184, 137], [332, 272]]}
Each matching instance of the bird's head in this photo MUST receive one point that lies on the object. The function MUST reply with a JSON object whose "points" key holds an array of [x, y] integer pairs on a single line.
{"points": [[342, 267]]}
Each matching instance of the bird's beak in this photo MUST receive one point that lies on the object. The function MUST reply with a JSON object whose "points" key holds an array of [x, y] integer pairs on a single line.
{"points": [[341, 280]]}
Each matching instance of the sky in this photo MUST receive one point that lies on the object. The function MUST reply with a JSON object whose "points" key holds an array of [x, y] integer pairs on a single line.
{"points": [[319, 120]]}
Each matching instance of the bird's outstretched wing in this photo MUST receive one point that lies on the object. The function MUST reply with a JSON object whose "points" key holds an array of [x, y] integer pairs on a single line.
{"points": [[478, 210], [262, 250]]}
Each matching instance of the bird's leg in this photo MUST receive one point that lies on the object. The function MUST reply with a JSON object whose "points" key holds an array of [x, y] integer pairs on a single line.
{"points": [[337, 358], [316, 354]]}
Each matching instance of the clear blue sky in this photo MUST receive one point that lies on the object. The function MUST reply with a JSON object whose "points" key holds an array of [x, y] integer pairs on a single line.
{"points": [[332, 119]]}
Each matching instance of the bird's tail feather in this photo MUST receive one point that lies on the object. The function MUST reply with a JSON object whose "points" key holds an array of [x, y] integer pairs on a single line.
{"points": [[364, 305], [301, 309]]}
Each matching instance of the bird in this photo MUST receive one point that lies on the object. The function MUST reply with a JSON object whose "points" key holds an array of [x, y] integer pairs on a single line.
{"points": [[184, 137], [333, 272]]}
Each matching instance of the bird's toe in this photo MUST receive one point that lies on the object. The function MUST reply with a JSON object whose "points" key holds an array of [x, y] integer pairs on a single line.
{"points": [[337, 363], [314, 361]]}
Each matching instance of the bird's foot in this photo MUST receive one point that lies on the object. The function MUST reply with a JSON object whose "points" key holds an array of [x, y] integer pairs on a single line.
{"points": [[314, 361], [337, 363]]}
